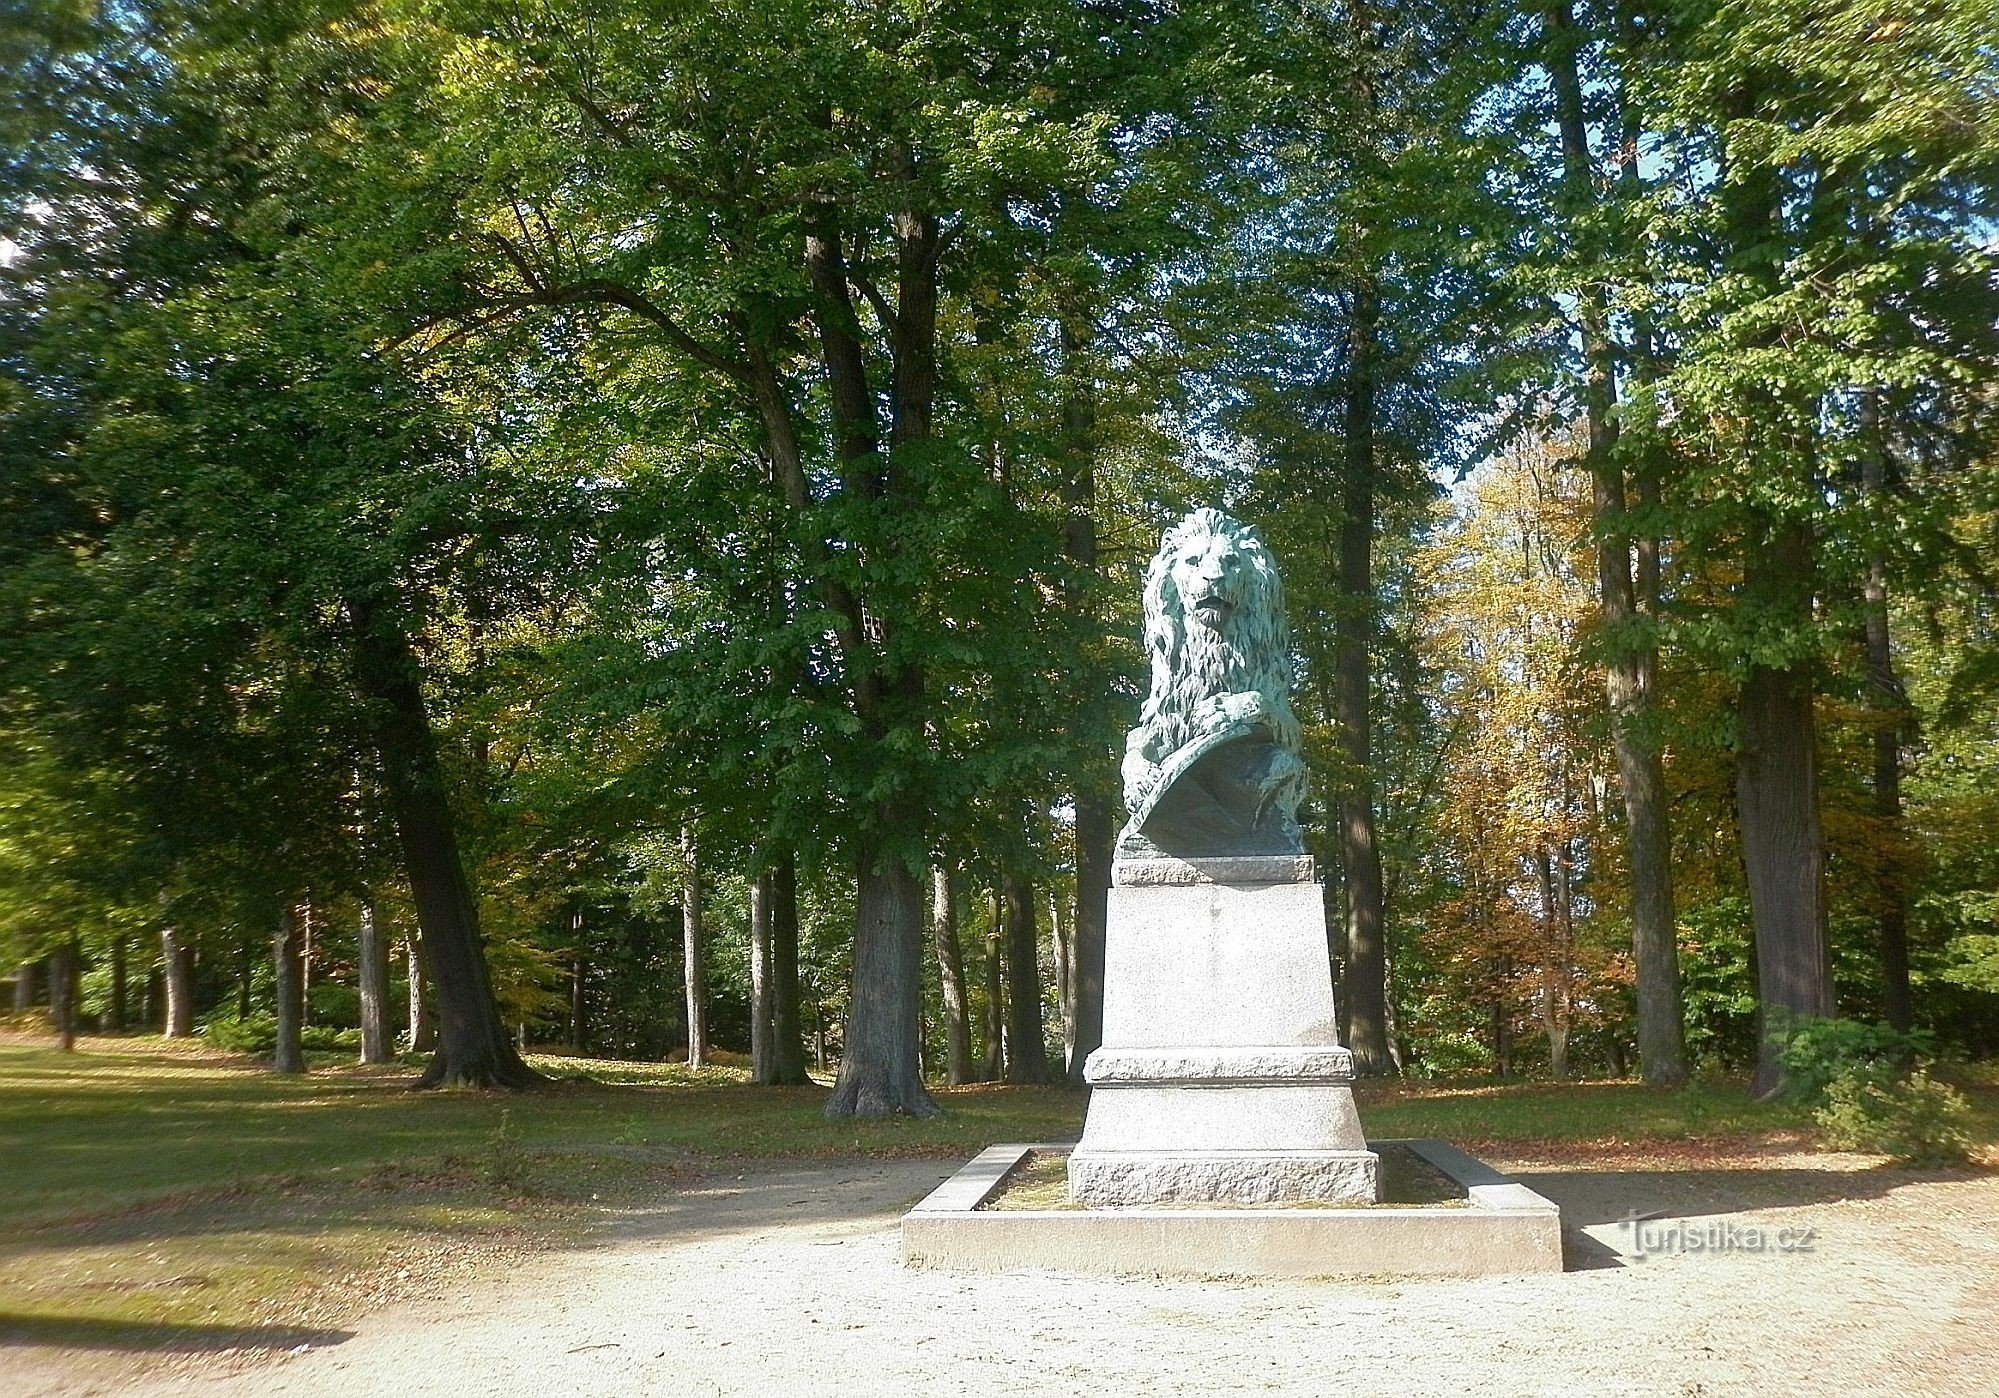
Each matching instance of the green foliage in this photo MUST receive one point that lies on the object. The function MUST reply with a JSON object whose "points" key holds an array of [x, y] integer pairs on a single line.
{"points": [[503, 1165], [258, 1035], [1718, 982], [1820, 1052], [1973, 962], [1916, 1119], [451, 311], [1462, 1054], [333, 1006]]}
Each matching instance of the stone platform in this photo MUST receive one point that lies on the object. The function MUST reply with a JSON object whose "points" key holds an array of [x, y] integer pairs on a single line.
{"points": [[1502, 1228], [1221, 1079]]}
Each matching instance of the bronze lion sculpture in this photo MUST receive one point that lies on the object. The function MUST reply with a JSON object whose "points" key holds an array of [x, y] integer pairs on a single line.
{"points": [[1213, 768]]}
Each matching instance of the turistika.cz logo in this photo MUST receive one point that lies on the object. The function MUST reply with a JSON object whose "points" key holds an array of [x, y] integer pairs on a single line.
{"points": [[1653, 1235]]}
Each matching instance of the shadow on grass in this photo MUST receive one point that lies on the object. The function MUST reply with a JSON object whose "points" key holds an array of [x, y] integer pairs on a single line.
{"points": [[82, 1332]]}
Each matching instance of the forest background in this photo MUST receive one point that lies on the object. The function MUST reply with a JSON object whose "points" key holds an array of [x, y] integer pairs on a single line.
{"points": [[619, 524]]}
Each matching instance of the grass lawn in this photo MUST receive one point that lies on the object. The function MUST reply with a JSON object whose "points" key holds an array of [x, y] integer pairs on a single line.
{"points": [[156, 1194]]}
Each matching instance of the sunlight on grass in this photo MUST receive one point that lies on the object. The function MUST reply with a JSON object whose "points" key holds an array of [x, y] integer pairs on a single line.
{"points": [[161, 1194]]}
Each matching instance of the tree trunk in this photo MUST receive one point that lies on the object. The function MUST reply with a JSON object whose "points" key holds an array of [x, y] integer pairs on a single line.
{"points": [[1631, 654], [787, 1031], [1891, 705], [1554, 968], [308, 930], [1367, 962], [1096, 831], [473, 1047], [878, 1059], [579, 978], [763, 988], [1096, 834], [287, 947], [65, 970], [373, 974], [24, 988], [994, 1067], [1065, 980], [1776, 771], [246, 957], [879, 1071], [1783, 847], [116, 1020], [177, 959], [694, 958], [1027, 1056], [423, 1032], [951, 975]]}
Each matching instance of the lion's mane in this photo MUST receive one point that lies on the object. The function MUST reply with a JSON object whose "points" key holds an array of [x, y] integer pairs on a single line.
{"points": [[1189, 665]]}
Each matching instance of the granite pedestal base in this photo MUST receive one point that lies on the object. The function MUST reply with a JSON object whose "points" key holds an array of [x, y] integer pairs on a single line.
{"points": [[1221, 1079]]}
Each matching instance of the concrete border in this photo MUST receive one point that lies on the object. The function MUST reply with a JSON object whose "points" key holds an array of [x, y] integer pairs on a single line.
{"points": [[1506, 1229]]}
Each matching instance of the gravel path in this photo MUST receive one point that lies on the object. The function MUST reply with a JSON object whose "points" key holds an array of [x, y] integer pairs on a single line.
{"points": [[787, 1281]]}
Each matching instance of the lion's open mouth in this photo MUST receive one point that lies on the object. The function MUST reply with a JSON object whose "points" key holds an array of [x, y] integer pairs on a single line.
{"points": [[1212, 610]]}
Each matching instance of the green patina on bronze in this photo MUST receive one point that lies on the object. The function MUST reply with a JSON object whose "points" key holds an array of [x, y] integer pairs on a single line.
{"points": [[1214, 766]]}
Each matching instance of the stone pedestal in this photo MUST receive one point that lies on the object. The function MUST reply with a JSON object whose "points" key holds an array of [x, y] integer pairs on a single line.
{"points": [[1220, 1079]]}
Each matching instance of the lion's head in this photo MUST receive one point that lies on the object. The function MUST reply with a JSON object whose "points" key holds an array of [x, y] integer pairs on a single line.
{"points": [[1214, 625]]}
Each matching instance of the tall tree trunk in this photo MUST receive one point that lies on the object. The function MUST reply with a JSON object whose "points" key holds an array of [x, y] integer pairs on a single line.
{"points": [[1096, 835], [694, 959], [423, 1029], [24, 988], [473, 1047], [177, 960], [1554, 967], [763, 986], [116, 1022], [951, 975], [1631, 656], [787, 1030], [1367, 962], [308, 932], [65, 970], [879, 1070], [878, 1059], [373, 974], [1065, 979], [1891, 705], [1776, 773], [1096, 831], [1027, 1056], [1783, 855], [994, 1067], [287, 945], [579, 978]]}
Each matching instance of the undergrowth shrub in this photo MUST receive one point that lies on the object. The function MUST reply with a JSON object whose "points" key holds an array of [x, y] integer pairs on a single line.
{"points": [[1916, 1119], [258, 1035], [1870, 1090]]}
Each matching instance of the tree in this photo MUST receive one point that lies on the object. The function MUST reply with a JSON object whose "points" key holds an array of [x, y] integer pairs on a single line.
{"points": [[951, 975], [1631, 653], [372, 977], [694, 956], [1027, 1051], [289, 1056]]}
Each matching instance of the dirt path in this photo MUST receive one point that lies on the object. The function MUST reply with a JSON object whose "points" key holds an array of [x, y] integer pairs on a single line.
{"points": [[787, 1281]]}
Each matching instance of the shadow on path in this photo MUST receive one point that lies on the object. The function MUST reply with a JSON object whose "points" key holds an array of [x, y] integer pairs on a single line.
{"points": [[82, 1332], [1592, 1197]]}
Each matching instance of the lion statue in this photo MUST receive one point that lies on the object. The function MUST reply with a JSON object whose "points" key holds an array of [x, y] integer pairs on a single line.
{"points": [[1213, 767]]}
